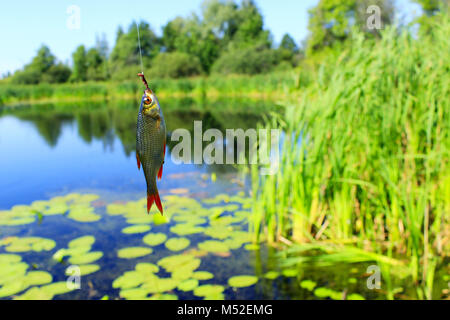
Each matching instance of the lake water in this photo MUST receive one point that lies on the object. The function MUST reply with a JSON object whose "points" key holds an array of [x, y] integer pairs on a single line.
{"points": [[53, 155]]}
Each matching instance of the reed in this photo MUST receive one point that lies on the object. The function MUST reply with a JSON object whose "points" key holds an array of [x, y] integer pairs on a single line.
{"points": [[365, 158]]}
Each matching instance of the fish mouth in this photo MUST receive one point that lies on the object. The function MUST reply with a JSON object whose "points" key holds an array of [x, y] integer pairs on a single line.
{"points": [[151, 111]]}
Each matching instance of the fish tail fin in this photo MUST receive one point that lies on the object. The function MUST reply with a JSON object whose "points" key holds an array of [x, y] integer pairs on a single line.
{"points": [[154, 198], [138, 161]]}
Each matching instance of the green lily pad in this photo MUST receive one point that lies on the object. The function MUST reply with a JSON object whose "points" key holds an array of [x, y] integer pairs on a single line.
{"points": [[272, 275], [134, 252], [128, 280], [213, 246], [56, 288], [208, 290], [216, 296], [355, 296], [11, 288], [172, 263], [177, 244], [308, 285], [184, 229], [202, 275], [154, 239], [85, 241], [242, 281], [86, 258], [35, 293], [134, 294], [188, 285], [289, 273], [86, 269], [164, 296], [84, 216], [219, 232], [37, 278], [9, 258], [145, 267], [327, 293], [160, 285], [140, 228]]}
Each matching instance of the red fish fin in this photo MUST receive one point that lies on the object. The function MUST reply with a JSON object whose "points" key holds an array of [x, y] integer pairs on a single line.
{"points": [[158, 203], [150, 200], [138, 161], [154, 198], [160, 172]]}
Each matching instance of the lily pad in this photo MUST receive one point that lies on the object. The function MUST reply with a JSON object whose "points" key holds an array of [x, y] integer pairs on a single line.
{"points": [[213, 246], [128, 280], [134, 252], [56, 288], [177, 244], [35, 293], [86, 269], [140, 228], [154, 239], [184, 229], [134, 294], [208, 290], [85, 241], [308, 285], [37, 278], [163, 296], [86, 258], [242, 281], [188, 285], [202, 275], [145, 267], [272, 275]]}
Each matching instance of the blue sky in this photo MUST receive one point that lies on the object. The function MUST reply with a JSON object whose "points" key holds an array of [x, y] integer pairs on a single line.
{"points": [[25, 25]]}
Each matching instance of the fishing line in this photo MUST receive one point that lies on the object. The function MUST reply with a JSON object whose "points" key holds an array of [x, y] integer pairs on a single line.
{"points": [[140, 50]]}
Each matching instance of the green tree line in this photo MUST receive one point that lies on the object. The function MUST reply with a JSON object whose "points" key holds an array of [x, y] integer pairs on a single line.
{"points": [[226, 37]]}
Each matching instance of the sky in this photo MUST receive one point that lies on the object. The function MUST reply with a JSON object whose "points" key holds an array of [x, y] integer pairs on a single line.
{"points": [[26, 25]]}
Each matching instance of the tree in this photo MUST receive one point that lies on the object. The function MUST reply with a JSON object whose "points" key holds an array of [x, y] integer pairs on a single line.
{"points": [[125, 57], [332, 21], [79, 65], [42, 68], [95, 65], [175, 65]]}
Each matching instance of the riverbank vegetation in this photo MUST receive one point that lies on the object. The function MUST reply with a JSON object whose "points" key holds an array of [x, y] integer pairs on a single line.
{"points": [[364, 172]]}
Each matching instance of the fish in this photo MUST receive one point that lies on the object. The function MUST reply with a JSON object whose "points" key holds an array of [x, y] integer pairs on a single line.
{"points": [[151, 144]]}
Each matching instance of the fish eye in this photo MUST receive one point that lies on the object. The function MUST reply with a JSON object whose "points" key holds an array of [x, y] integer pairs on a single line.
{"points": [[147, 101]]}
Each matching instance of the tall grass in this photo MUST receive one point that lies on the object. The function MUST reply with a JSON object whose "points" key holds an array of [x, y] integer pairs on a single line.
{"points": [[372, 169], [261, 86]]}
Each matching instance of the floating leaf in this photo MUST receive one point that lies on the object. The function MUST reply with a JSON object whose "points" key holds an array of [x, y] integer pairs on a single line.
{"points": [[140, 228], [129, 279], [208, 290], [9, 258], [133, 252], [289, 273], [183, 229], [86, 258], [56, 288], [242, 281], [163, 296], [36, 278], [216, 296], [308, 285], [159, 285], [134, 294], [355, 296], [272, 275], [213, 246], [11, 288], [202, 275], [177, 244], [35, 293], [188, 285], [85, 241], [175, 262], [154, 239], [86, 269], [327, 293]]}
